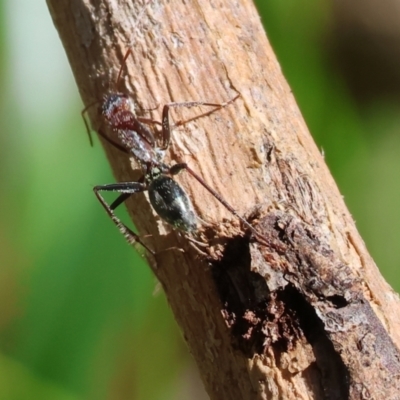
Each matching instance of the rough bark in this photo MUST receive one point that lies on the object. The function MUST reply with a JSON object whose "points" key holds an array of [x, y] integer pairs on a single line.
{"points": [[303, 313]]}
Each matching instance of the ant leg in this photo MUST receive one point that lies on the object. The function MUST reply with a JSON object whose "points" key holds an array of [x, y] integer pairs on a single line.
{"points": [[115, 144], [123, 63], [148, 121], [126, 189], [119, 200], [142, 130], [175, 169], [124, 196], [84, 113], [166, 127], [145, 110]]}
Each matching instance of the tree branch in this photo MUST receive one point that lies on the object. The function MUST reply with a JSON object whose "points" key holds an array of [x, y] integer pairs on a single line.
{"points": [[309, 314]]}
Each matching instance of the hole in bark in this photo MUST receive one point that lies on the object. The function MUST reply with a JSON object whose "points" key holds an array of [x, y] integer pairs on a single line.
{"points": [[338, 301], [334, 375], [260, 319]]}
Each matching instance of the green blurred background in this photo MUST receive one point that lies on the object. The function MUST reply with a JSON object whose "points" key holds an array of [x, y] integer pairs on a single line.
{"points": [[77, 306]]}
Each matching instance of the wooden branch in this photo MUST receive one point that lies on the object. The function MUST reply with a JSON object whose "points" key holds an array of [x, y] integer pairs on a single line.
{"points": [[305, 313]]}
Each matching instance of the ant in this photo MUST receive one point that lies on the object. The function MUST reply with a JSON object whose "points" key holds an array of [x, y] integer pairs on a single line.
{"points": [[167, 197]]}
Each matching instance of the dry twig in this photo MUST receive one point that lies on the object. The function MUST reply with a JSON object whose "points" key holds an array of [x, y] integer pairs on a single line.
{"points": [[309, 315]]}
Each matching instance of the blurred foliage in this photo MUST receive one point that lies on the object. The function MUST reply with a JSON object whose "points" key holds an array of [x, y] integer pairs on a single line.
{"points": [[79, 318]]}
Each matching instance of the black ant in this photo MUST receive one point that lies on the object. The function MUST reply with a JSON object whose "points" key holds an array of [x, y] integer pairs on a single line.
{"points": [[166, 196]]}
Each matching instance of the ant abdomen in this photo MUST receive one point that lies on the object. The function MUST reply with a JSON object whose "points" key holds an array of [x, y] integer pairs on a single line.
{"points": [[172, 203]]}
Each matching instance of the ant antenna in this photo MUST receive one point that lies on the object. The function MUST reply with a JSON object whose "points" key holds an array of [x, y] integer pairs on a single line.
{"points": [[84, 112], [85, 120], [138, 22]]}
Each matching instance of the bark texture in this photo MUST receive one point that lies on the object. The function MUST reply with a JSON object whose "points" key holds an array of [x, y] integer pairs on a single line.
{"points": [[303, 314]]}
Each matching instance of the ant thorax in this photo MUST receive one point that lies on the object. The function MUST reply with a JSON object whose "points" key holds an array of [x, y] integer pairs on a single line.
{"points": [[160, 155], [139, 148], [119, 112]]}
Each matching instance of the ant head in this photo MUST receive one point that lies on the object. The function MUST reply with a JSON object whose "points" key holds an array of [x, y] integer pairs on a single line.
{"points": [[115, 103]]}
